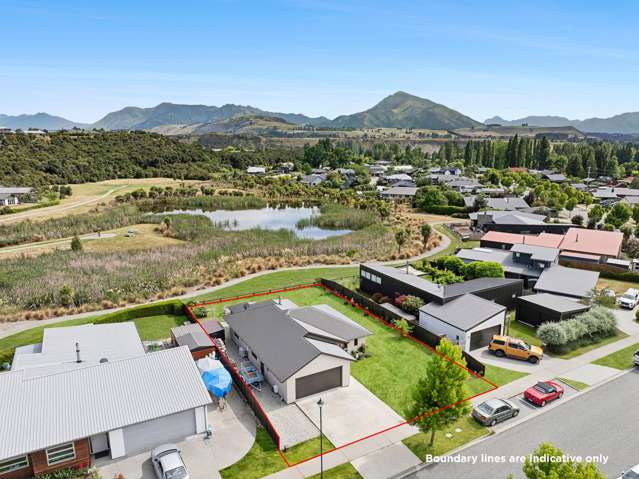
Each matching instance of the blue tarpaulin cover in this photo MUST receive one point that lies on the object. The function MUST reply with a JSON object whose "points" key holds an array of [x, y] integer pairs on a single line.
{"points": [[218, 382]]}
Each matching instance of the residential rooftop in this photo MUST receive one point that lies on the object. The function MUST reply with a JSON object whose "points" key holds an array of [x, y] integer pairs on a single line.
{"points": [[567, 281], [456, 312]]}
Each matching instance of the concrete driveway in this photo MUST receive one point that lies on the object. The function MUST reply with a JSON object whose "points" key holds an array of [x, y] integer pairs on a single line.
{"points": [[352, 413], [233, 436]]}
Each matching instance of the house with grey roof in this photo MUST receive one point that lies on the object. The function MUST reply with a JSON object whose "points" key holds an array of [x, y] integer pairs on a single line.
{"points": [[71, 399], [503, 204], [570, 282], [469, 321], [299, 351], [399, 193]]}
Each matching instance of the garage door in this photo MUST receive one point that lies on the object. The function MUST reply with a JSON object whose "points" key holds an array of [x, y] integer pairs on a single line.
{"points": [[318, 382], [147, 435], [481, 338]]}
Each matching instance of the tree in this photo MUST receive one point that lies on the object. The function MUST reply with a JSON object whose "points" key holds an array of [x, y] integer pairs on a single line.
{"points": [[76, 244], [66, 295], [619, 214], [570, 204], [426, 230], [438, 397], [484, 269], [401, 236], [542, 466], [595, 213], [430, 196], [479, 202], [577, 220]]}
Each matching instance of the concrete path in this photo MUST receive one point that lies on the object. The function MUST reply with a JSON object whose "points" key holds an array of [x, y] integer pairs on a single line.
{"points": [[386, 462]]}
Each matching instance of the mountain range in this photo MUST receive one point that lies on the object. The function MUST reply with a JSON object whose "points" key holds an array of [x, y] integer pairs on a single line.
{"points": [[627, 123], [399, 110]]}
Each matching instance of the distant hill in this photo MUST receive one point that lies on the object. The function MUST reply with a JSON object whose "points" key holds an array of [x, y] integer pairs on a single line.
{"points": [[402, 110], [626, 123], [249, 124], [134, 118], [42, 121]]}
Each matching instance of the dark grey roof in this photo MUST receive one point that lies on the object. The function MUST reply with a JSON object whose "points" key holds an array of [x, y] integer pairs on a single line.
{"points": [[211, 326], [510, 217], [444, 292], [560, 304], [327, 320], [248, 306], [567, 281], [537, 253], [278, 340], [191, 335], [465, 312]]}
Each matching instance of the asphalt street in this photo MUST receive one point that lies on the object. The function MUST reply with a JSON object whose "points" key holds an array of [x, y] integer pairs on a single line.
{"points": [[603, 421]]}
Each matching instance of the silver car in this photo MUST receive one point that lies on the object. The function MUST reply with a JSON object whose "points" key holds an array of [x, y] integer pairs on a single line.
{"points": [[493, 411], [632, 473], [167, 462]]}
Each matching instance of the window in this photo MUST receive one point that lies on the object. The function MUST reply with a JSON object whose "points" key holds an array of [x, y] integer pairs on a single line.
{"points": [[517, 254], [355, 342], [14, 464], [58, 454]]}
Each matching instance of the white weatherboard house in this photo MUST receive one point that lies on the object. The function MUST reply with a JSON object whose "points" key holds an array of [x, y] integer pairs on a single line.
{"points": [[468, 321], [299, 351], [91, 391]]}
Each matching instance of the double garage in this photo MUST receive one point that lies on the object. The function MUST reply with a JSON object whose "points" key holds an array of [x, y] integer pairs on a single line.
{"points": [[469, 321], [318, 382]]}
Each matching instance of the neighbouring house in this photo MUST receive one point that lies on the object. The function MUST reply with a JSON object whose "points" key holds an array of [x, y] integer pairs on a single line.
{"points": [[299, 351], [522, 261], [570, 282], [12, 196], [536, 309], [469, 321], [8, 200], [91, 391], [404, 183], [446, 171], [256, 170], [518, 222], [503, 204], [392, 178], [463, 185], [553, 177], [615, 193], [399, 193], [314, 179], [596, 243], [501, 240], [197, 338]]}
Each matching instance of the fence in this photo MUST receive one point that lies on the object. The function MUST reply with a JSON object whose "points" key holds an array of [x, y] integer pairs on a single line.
{"points": [[243, 388], [418, 332]]}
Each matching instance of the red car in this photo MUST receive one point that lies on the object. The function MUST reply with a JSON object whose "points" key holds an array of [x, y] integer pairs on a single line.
{"points": [[543, 392]]}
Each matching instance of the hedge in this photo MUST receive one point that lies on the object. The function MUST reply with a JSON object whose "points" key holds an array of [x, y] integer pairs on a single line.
{"points": [[172, 307], [444, 210], [586, 328]]}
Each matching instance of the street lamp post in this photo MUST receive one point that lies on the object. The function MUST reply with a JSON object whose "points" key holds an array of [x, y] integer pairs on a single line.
{"points": [[320, 403]]}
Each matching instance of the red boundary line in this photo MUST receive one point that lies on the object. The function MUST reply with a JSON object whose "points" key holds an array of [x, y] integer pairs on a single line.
{"points": [[365, 311]]}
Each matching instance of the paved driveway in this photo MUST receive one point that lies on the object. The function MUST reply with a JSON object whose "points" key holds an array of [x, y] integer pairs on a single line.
{"points": [[352, 413]]}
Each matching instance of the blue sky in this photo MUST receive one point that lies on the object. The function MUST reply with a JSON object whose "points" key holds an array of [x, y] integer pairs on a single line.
{"points": [[83, 59]]}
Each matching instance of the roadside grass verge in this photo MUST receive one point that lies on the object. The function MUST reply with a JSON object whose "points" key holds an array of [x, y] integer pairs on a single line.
{"points": [[578, 385], [621, 359], [345, 471], [264, 459], [469, 431]]}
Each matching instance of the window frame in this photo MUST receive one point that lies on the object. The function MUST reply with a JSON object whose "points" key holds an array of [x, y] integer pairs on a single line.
{"points": [[13, 464], [58, 449]]}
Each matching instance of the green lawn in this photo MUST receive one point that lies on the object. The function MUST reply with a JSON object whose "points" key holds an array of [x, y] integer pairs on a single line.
{"points": [[345, 471], [153, 328], [523, 331], [470, 430], [578, 385], [621, 359], [264, 459]]}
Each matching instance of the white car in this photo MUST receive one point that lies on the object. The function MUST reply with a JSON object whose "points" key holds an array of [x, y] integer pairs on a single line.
{"points": [[167, 462], [629, 299], [632, 473]]}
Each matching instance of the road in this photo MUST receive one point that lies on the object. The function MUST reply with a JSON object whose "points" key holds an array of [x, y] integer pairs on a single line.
{"points": [[602, 421]]}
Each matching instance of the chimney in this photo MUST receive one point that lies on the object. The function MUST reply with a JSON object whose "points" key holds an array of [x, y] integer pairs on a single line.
{"points": [[78, 359]]}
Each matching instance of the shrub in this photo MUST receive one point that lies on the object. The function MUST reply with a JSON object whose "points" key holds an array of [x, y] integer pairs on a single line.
{"points": [[411, 304], [577, 220], [552, 334], [452, 263], [172, 307], [403, 326], [384, 299], [377, 296], [484, 269], [200, 312], [76, 244], [586, 328]]}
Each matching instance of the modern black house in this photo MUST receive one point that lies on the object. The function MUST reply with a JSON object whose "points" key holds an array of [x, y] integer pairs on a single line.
{"points": [[536, 309], [393, 282]]}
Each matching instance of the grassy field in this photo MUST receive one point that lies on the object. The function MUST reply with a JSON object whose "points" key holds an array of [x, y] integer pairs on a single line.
{"points": [[264, 459], [144, 238], [395, 363], [578, 385], [469, 431], [621, 359], [619, 287], [153, 328]]}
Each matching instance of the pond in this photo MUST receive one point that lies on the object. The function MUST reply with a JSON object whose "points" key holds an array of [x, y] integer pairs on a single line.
{"points": [[267, 218]]}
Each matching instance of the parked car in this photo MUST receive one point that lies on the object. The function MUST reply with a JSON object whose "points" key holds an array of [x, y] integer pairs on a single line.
{"points": [[515, 348], [635, 358], [543, 392], [609, 292], [632, 473], [167, 462], [493, 411], [629, 299]]}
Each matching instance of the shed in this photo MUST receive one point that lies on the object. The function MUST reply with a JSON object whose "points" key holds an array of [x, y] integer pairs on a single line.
{"points": [[536, 309], [192, 335]]}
